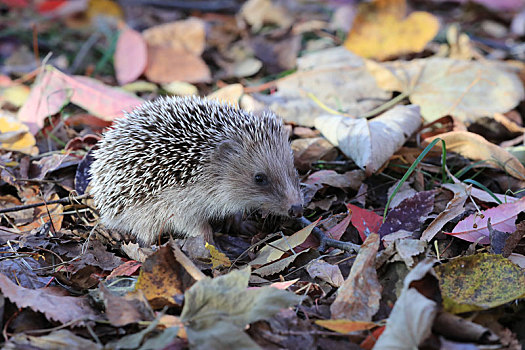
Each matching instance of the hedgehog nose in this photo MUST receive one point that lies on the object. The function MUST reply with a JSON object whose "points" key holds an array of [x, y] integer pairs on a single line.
{"points": [[296, 210]]}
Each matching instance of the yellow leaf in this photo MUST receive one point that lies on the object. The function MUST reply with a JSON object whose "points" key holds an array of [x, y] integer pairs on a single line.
{"points": [[105, 8], [160, 279], [380, 30], [21, 139], [16, 94], [217, 258]]}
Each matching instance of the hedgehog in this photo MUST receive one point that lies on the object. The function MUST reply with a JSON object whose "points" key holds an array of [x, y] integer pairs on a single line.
{"points": [[174, 165]]}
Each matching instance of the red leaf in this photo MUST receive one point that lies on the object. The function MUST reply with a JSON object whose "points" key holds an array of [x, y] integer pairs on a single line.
{"points": [[365, 221]]}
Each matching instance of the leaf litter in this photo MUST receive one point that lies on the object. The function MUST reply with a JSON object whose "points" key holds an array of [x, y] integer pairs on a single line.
{"points": [[389, 104]]}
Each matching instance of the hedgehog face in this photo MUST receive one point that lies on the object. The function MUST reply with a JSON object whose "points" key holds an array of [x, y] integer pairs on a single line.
{"points": [[259, 175]]}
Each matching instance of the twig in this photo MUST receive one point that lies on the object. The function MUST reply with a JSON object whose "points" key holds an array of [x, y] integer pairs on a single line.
{"points": [[41, 204], [186, 262]]}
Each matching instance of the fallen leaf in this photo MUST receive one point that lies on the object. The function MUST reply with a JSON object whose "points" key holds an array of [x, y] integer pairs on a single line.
{"points": [[346, 326], [174, 51], [325, 272], [15, 95], [365, 221], [328, 76], [186, 35], [163, 68], [54, 89], [464, 89], [130, 58], [46, 300], [474, 227], [217, 310], [475, 147], [23, 141], [218, 258], [124, 310], [160, 279], [370, 143], [410, 214], [352, 179], [479, 282], [259, 12], [358, 297], [411, 319], [278, 248], [62, 339], [381, 31], [455, 207]]}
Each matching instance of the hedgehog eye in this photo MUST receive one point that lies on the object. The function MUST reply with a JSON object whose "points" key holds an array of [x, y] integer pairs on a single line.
{"points": [[261, 179]]}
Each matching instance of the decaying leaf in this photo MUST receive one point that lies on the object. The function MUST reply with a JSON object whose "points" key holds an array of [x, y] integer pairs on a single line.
{"points": [[475, 147], [57, 340], [411, 319], [218, 258], [479, 282], [442, 86], [325, 78], [346, 326], [278, 248], [45, 300], [217, 310], [370, 143], [160, 278], [358, 297], [174, 51], [453, 209]]}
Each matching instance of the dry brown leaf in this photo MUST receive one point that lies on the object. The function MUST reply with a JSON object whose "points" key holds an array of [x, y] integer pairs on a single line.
{"points": [[475, 147], [455, 207], [187, 35], [230, 94], [411, 319], [358, 297], [54, 306], [174, 51], [166, 64], [123, 310], [381, 31], [335, 77], [443, 86], [160, 278], [259, 12]]}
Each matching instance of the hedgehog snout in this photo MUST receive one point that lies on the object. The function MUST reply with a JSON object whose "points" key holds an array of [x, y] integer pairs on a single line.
{"points": [[296, 210]]}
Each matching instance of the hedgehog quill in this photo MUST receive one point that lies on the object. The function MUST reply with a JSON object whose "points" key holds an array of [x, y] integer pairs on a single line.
{"points": [[175, 164]]}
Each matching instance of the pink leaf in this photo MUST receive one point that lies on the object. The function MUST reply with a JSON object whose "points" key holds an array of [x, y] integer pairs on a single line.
{"points": [[55, 89], [131, 56], [502, 218]]}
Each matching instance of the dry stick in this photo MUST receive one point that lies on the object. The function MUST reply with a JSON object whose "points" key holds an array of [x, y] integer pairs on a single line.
{"points": [[186, 262], [41, 204]]}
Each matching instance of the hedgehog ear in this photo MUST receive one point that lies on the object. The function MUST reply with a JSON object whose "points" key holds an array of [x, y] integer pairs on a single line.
{"points": [[224, 149]]}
